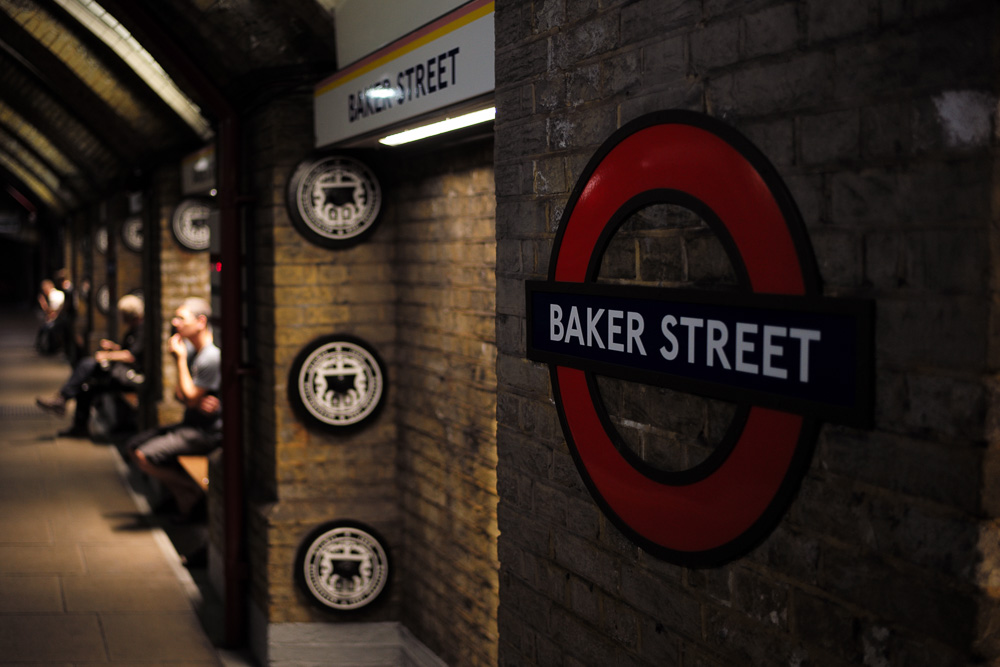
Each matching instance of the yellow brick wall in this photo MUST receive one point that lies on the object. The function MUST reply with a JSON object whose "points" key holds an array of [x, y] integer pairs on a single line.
{"points": [[444, 387], [129, 263], [302, 476], [420, 290], [183, 274]]}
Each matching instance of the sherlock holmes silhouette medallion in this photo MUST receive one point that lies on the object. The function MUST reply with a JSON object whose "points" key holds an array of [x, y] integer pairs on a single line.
{"points": [[336, 382], [334, 201], [342, 565]]}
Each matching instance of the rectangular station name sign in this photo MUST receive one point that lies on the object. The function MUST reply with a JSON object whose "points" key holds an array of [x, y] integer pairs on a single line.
{"points": [[442, 64], [809, 356]]}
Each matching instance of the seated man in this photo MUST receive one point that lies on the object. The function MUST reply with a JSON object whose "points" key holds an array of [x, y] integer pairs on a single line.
{"points": [[199, 378], [112, 368]]}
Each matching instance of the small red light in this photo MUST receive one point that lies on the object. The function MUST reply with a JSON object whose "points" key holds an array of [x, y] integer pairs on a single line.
{"points": [[218, 267]]}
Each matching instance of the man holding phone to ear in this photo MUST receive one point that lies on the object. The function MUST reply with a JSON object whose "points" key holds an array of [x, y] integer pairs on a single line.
{"points": [[199, 378]]}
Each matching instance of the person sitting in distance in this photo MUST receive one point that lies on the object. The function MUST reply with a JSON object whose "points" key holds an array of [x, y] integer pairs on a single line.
{"points": [[113, 367], [50, 299]]}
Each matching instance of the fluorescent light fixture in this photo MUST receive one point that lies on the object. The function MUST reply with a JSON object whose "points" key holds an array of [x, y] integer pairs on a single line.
{"points": [[440, 127], [103, 25], [381, 93]]}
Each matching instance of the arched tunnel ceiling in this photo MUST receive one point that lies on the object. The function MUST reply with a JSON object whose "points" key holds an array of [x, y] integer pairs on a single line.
{"points": [[82, 111]]}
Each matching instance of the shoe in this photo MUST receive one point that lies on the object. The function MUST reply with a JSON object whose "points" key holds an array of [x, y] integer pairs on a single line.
{"points": [[56, 404], [75, 432], [166, 506], [196, 559], [197, 514]]}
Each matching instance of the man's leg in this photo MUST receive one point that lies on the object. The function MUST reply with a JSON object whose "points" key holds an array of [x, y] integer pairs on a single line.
{"points": [[157, 457], [82, 372], [80, 427], [185, 491]]}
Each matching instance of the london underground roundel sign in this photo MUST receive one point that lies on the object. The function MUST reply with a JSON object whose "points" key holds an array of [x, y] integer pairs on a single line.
{"points": [[786, 356]]}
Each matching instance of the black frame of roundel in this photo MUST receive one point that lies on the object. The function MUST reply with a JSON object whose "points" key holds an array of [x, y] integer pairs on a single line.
{"points": [[299, 573], [97, 299], [201, 199], [142, 226], [295, 398], [302, 227]]}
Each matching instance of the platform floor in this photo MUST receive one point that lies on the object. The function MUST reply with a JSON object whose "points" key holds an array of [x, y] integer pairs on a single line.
{"points": [[87, 575]]}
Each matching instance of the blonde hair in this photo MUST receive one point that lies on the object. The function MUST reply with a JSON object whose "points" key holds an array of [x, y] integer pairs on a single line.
{"points": [[131, 307]]}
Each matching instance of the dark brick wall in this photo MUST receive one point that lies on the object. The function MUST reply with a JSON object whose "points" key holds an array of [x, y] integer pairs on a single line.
{"points": [[880, 117], [129, 263], [79, 262], [99, 324]]}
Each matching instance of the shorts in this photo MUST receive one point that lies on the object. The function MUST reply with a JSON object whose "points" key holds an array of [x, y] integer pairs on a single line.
{"points": [[163, 445]]}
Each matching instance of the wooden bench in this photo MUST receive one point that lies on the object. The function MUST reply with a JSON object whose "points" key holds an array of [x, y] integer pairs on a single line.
{"points": [[197, 468]]}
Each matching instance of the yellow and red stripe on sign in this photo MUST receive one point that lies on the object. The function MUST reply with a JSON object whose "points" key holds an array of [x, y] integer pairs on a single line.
{"points": [[435, 30]]}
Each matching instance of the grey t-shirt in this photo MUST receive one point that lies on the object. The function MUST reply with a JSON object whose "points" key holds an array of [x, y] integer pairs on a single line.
{"points": [[206, 372]]}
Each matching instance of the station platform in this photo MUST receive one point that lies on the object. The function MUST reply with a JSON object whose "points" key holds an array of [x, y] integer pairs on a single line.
{"points": [[88, 574]]}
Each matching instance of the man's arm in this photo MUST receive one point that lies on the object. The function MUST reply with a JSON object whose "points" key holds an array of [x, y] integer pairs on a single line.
{"points": [[125, 356], [187, 391]]}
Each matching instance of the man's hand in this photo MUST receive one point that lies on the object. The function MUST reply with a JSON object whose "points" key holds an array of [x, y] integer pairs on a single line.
{"points": [[209, 404], [178, 348]]}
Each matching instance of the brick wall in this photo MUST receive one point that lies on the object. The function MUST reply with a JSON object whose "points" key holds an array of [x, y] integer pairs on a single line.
{"points": [[182, 274], [421, 291], [444, 391], [879, 116], [129, 262], [301, 477]]}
